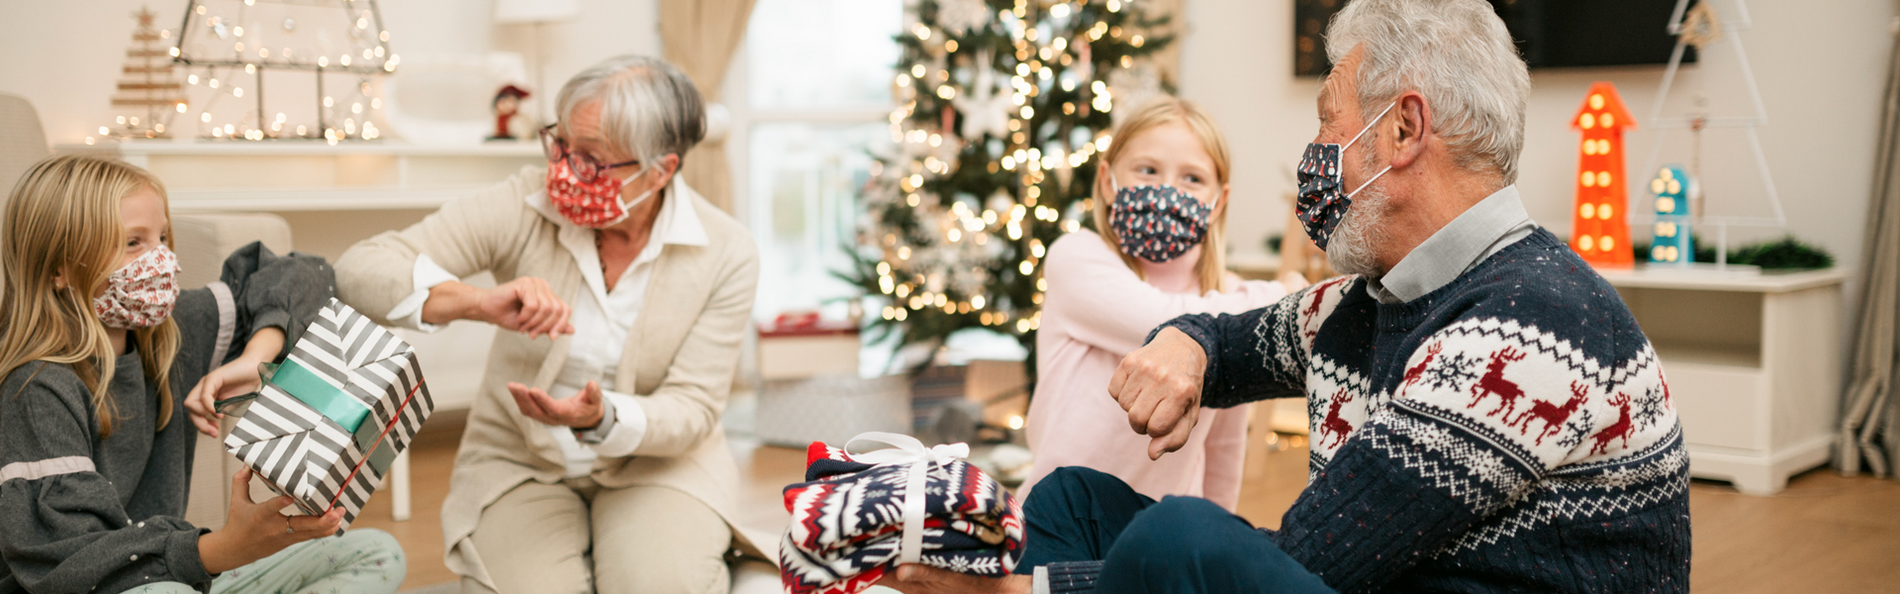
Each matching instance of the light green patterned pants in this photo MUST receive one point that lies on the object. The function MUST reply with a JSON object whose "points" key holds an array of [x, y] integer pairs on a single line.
{"points": [[366, 561]]}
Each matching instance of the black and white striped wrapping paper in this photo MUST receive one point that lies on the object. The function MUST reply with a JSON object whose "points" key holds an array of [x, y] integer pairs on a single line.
{"points": [[312, 458]]}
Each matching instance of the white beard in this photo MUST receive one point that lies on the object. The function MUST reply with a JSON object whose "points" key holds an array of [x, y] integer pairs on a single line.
{"points": [[1350, 250]]}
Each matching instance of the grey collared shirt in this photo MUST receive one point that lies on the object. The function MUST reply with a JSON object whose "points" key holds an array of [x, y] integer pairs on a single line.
{"points": [[1484, 229]]}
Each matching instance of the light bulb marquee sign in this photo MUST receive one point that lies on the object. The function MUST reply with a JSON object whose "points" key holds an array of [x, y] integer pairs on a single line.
{"points": [[338, 47], [1599, 231]]}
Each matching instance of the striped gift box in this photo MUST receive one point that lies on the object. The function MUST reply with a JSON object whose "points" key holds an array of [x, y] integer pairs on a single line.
{"points": [[334, 415]]}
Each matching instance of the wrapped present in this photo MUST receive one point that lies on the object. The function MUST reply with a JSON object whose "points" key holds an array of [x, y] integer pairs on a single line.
{"points": [[859, 514], [332, 417]]}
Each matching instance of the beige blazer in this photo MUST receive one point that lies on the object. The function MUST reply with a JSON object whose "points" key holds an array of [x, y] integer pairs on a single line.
{"points": [[679, 360]]}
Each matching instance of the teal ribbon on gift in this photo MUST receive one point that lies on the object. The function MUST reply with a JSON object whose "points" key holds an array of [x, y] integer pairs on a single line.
{"points": [[326, 398]]}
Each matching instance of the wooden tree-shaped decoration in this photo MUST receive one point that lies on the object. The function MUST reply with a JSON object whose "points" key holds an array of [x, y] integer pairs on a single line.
{"points": [[1600, 232], [149, 85]]}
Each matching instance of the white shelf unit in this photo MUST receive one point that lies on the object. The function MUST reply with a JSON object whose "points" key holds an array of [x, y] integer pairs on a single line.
{"points": [[1753, 364], [294, 175]]}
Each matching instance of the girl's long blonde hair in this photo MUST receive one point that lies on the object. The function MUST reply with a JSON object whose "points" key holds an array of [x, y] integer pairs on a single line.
{"points": [[1212, 269], [63, 219]]}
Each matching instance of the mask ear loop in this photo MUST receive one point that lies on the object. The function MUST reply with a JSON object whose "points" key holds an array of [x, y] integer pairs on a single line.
{"points": [[1369, 125], [1355, 138]]}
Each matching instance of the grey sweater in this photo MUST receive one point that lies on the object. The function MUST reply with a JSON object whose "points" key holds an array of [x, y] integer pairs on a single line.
{"points": [[84, 514]]}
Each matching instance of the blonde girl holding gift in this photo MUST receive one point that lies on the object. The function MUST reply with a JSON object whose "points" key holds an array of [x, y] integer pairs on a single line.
{"points": [[109, 367], [1160, 207]]}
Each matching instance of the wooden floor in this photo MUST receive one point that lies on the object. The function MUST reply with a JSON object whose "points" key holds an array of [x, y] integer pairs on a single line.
{"points": [[1825, 533]]}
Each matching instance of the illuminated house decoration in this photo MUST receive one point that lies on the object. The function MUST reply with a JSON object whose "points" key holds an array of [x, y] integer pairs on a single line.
{"points": [[1601, 232], [1673, 245], [322, 56]]}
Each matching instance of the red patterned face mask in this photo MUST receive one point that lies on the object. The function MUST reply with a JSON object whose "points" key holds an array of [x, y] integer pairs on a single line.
{"points": [[141, 294], [593, 204]]}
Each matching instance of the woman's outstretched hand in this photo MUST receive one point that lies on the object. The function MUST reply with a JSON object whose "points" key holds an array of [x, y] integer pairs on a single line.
{"points": [[581, 411]]}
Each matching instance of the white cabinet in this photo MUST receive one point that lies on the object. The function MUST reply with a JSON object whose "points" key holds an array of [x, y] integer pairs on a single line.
{"points": [[280, 176], [1753, 364]]}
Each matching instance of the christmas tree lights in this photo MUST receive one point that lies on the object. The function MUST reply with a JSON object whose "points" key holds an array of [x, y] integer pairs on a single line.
{"points": [[1001, 109]]}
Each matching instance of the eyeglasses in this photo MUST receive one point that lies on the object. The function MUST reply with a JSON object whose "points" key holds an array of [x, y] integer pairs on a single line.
{"points": [[585, 168]]}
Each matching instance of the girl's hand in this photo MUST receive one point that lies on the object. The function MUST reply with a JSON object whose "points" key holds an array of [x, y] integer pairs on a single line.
{"points": [[232, 379], [254, 531]]}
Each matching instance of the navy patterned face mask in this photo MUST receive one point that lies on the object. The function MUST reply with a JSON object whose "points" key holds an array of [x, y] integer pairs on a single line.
{"points": [[1322, 201], [1157, 223]]}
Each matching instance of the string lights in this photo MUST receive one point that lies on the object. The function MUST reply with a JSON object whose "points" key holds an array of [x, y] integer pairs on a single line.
{"points": [[1001, 108], [334, 50]]}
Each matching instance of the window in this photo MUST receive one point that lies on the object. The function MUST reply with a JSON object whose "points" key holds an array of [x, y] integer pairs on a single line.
{"points": [[810, 101]]}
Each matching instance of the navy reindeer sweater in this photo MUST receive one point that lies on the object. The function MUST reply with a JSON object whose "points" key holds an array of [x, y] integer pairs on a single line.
{"points": [[1508, 432]]}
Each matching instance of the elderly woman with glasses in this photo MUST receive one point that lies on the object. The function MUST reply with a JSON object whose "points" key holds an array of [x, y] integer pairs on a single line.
{"points": [[593, 460]]}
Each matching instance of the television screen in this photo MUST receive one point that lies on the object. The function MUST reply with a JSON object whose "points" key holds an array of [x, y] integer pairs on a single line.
{"points": [[1549, 33]]}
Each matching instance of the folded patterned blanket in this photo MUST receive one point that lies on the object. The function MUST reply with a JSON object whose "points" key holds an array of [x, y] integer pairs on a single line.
{"points": [[848, 521]]}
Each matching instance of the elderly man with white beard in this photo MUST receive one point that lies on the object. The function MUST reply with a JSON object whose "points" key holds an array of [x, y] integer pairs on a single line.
{"points": [[1486, 415]]}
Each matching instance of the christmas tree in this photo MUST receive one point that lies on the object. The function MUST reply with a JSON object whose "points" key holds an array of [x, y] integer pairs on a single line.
{"points": [[1001, 109]]}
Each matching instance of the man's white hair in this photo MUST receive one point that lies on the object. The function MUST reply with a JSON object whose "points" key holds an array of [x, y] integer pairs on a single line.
{"points": [[1457, 54]]}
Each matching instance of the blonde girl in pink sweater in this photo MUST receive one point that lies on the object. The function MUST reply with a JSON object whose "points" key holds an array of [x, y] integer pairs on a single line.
{"points": [[1160, 201]]}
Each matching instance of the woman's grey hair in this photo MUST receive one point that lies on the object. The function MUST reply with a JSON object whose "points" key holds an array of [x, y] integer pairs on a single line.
{"points": [[1457, 54], [648, 108]]}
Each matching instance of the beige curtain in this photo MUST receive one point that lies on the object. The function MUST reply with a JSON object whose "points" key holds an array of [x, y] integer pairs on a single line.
{"points": [[700, 37], [1870, 425]]}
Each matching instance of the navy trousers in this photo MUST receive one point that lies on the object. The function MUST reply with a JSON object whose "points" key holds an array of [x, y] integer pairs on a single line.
{"points": [[1179, 544]]}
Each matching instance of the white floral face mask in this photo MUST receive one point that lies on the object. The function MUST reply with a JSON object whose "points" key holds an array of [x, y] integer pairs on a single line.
{"points": [[141, 294]]}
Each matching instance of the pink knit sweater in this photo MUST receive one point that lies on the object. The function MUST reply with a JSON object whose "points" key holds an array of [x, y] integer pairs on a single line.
{"points": [[1095, 312]]}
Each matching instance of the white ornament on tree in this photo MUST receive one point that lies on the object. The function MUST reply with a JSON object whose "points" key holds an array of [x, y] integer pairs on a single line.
{"points": [[984, 110], [961, 17], [1132, 87]]}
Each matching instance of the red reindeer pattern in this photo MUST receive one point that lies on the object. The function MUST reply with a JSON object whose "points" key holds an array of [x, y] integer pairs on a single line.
{"points": [[1414, 372], [1552, 415], [1311, 312], [1621, 428], [1334, 426], [1493, 382]]}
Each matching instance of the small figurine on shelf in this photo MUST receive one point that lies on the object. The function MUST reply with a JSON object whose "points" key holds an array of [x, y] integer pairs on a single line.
{"points": [[1673, 245], [507, 106]]}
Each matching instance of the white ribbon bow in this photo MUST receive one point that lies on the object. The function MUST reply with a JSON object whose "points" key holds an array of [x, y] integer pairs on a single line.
{"points": [[907, 450]]}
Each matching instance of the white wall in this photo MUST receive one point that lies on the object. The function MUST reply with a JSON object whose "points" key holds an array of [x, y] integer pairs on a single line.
{"points": [[1822, 67], [65, 56]]}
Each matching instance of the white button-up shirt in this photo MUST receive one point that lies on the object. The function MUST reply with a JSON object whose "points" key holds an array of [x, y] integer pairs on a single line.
{"points": [[601, 319]]}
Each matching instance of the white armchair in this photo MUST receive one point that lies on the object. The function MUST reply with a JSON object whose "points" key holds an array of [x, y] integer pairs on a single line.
{"points": [[203, 241]]}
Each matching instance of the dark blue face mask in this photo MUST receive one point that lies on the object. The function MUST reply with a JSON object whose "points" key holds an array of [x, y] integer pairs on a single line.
{"points": [[1323, 202], [1157, 223]]}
